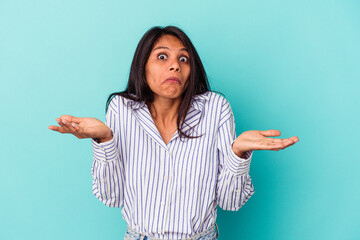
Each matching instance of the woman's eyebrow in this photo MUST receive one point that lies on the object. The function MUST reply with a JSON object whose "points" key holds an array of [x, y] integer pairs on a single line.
{"points": [[161, 47]]}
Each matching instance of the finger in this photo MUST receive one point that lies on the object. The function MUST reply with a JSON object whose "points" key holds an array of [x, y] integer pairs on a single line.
{"points": [[76, 120], [271, 146], [66, 117], [270, 133], [285, 140], [279, 145], [291, 139], [289, 142], [71, 127], [64, 124], [56, 128], [76, 127], [276, 147], [295, 138], [70, 118], [274, 140]]}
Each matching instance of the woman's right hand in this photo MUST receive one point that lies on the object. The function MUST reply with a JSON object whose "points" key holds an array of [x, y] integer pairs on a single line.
{"points": [[83, 127]]}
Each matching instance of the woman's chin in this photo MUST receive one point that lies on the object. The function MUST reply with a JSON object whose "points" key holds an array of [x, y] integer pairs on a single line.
{"points": [[171, 92]]}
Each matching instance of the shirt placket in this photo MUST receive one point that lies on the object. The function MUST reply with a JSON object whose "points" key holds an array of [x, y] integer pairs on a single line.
{"points": [[171, 189]]}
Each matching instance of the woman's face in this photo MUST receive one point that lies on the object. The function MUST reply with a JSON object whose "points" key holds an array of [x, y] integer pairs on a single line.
{"points": [[168, 68]]}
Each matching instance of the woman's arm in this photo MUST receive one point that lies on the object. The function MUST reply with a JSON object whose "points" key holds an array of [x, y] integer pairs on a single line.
{"points": [[108, 167], [234, 185]]}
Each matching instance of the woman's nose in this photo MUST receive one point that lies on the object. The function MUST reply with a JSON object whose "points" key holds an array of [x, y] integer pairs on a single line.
{"points": [[174, 66], [176, 69]]}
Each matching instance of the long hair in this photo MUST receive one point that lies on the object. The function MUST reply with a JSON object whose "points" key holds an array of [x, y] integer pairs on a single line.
{"points": [[137, 88]]}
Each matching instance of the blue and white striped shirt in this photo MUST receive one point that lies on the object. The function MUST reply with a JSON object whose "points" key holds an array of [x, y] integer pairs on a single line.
{"points": [[171, 191]]}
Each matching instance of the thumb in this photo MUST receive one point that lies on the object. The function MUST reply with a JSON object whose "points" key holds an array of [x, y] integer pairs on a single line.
{"points": [[270, 133]]}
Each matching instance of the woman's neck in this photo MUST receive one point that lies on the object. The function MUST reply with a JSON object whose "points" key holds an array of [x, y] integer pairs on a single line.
{"points": [[164, 110]]}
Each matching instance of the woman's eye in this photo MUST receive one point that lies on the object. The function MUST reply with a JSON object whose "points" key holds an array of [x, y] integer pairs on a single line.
{"points": [[162, 56], [183, 59]]}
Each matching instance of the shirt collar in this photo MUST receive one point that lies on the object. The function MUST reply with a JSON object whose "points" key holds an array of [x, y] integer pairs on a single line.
{"points": [[129, 103], [199, 101]]}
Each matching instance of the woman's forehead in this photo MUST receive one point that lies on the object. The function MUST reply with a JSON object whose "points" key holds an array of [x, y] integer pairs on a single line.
{"points": [[169, 42]]}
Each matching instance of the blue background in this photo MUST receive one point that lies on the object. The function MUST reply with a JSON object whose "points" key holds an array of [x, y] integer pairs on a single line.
{"points": [[287, 65]]}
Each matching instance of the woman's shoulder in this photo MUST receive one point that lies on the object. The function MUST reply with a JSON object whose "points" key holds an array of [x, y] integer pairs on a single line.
{"points": [[211, 103], [211, 98], [128, 101]]}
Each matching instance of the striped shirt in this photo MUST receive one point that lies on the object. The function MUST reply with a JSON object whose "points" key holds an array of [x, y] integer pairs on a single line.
{"points": [[171, 191]]}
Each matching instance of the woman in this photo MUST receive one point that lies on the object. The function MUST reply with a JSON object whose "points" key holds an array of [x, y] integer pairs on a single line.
{"points": [[168, 153]]}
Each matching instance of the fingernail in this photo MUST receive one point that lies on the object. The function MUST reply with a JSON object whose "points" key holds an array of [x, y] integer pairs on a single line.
{"points": [[58, 121], [64, 122], [73, 124]]}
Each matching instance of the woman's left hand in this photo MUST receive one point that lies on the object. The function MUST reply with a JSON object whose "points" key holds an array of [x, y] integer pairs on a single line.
{"points": [[260, 140]]}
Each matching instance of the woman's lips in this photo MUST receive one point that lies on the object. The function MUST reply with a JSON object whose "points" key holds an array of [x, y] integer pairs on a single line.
{"points": [[173, 80]]}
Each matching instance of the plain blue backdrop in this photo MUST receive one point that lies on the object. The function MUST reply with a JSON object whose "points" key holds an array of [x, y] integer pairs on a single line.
{"points": [[287, 65]]}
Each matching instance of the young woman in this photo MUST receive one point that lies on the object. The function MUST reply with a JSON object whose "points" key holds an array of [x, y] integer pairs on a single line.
{"points": [[168, 153]]}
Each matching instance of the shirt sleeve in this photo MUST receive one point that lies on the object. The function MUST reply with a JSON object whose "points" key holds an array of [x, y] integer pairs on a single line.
{"points": [[108, 168], [234, 186]]}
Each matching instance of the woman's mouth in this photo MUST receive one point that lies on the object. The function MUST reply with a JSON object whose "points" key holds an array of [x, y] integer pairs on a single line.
{"points": [[173, 80]]}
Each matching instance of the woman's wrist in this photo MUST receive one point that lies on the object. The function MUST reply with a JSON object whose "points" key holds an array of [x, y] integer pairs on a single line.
{"points": [[238, 153], [108, 137]]}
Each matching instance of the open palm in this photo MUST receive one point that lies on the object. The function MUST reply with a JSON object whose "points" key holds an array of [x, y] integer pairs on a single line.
{"points": [[261, 140], [82, 127]]}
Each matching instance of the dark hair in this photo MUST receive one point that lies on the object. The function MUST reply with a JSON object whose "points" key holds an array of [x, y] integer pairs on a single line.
{"points": [[137, 88]]}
